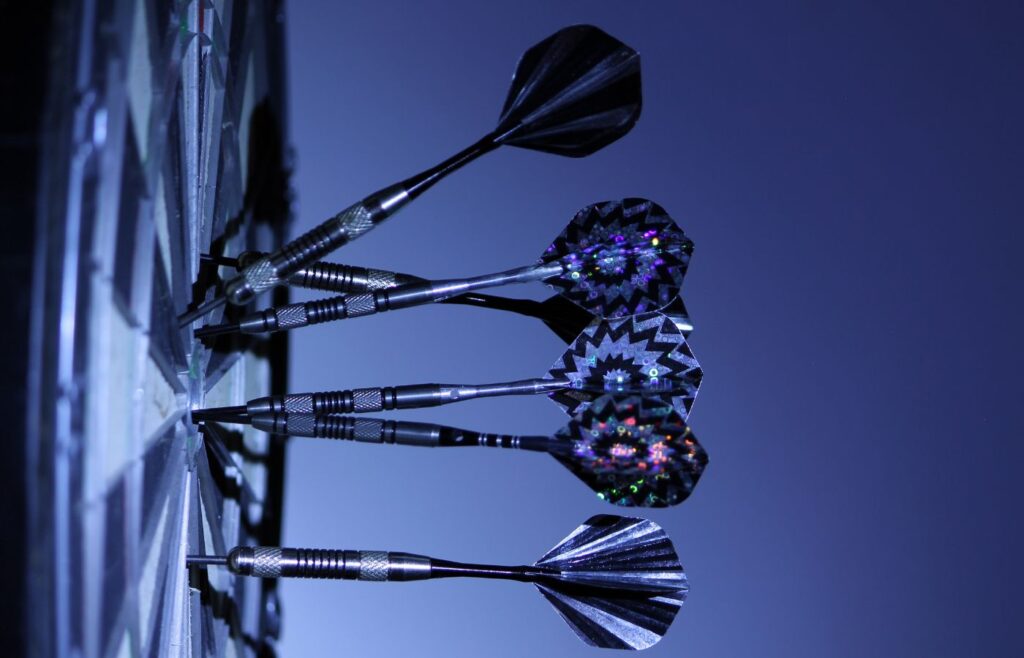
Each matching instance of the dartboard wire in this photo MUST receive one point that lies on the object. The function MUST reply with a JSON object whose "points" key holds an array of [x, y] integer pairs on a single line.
{"points": [[207, 372], [203, 104], [210, 144], [214, 537], [175, 617], [229, 184], [214, 504]]}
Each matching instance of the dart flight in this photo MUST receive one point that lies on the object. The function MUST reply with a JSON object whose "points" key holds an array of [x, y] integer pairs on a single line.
{"points": [[572, 94]]}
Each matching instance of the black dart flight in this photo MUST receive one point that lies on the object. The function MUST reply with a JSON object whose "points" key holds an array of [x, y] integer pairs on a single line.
{"points": [[572, 94]]}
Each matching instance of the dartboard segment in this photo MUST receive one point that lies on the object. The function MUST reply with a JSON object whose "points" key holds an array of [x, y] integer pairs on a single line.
{"points": [[143, 172]]}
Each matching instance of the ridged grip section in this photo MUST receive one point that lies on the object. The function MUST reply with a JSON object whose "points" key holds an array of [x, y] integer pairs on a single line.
{"points": [[334, 427], [354, 401], [336, 277], [373, 565], [327, 276], [336, 231], [266, 562], [327, 310], [346, 428], [318, 563], [332, 402]]}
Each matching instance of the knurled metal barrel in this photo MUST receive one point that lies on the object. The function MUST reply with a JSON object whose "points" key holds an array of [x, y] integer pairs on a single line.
{"points": [[275, 562]]}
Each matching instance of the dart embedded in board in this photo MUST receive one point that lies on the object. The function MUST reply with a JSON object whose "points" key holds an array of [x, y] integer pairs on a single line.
{"points": [[572, 94], [616, 581], [631, 450], [627, 379], [643, 353], [615, 258], [565, 318]]}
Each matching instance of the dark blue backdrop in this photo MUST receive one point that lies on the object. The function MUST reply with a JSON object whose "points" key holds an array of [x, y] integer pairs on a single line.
{"points": [[851, 175]]}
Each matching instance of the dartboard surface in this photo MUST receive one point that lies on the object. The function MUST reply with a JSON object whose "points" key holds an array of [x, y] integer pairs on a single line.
{"points": [[164, 141]]}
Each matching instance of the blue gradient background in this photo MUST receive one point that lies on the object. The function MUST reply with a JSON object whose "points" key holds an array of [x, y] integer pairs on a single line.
{"points": [[851, 174]]}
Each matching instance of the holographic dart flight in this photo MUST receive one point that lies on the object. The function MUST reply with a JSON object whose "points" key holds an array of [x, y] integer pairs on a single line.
{"points": [[615, 258], [643, 354], [631, 450], [616, 581], [572, 94], [562, 316]]}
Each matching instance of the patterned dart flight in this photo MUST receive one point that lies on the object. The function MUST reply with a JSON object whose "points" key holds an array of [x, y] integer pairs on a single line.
{"points": [[560, 315], [645, 354], [572, 94], [631, 450], [617, 581], [615, 258]]}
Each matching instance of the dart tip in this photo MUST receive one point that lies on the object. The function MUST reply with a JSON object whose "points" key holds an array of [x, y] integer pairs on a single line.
{"points": [[211, 330], [221, 414], [206, 561], [188, 318], [226, 261]]}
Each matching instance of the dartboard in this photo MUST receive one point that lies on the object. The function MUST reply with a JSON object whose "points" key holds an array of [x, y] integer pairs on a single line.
{"points": [[164, 141]]}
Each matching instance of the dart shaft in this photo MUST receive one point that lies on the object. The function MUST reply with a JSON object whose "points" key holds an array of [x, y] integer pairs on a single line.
{"points": [[437, 290], [414, 396], [526, 307]]}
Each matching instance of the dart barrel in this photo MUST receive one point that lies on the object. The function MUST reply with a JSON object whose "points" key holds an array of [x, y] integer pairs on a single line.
{"points": [[274, 562]]}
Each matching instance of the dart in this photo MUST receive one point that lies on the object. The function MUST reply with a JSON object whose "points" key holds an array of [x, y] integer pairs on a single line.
{"points": [[571, 94], [616, 581], [646, 354], [631, 450], [615, 258], [560, 315]]}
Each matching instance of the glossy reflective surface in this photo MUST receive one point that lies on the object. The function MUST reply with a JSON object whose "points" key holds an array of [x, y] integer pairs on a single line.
{"points": [[572, 94], [640, 354], [620, 258], [634, 451], [633, 555]]}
